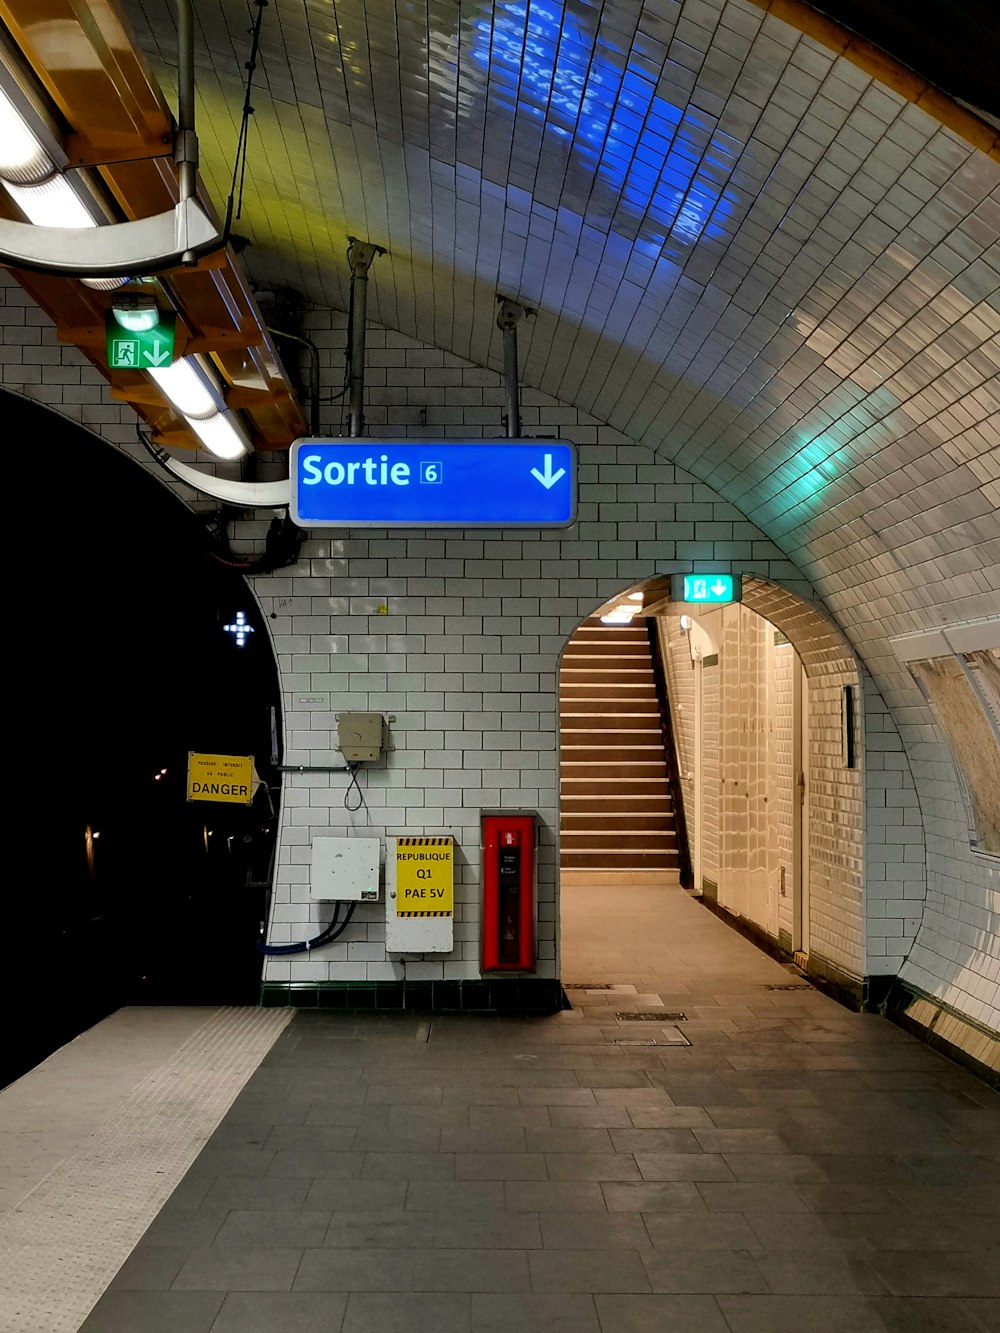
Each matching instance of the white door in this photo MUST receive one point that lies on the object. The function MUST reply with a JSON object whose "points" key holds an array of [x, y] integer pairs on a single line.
{"points": [[800, 813]]}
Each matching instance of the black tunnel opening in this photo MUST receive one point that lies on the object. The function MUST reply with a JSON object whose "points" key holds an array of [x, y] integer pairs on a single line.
{"points": [[120, 889]]}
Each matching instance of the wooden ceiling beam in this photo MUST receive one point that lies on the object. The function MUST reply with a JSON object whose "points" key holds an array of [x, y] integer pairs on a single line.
{"points": [[119, 125]]}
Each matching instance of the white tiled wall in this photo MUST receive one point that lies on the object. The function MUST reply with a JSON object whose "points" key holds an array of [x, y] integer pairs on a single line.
{"points": [[682, 685], [746, 756], [898, 844], [466, 657], [820, 347], [894, 871]]}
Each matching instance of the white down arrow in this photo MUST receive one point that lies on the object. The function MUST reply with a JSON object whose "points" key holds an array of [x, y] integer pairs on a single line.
{"points": [[548, 478]]}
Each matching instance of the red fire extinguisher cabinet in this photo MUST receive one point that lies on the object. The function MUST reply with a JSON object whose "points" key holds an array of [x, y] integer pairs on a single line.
{"points": [[508, 848]]}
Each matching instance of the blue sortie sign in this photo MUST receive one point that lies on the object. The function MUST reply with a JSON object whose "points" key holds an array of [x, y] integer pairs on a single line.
{"points": [[433, 483]]}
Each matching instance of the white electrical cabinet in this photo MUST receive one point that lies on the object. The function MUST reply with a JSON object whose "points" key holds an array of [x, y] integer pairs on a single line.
{"points": [[345, 869], [419, 895]]}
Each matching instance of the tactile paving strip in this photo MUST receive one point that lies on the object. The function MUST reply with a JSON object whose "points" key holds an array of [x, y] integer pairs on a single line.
{"points": [[63, 1243]]}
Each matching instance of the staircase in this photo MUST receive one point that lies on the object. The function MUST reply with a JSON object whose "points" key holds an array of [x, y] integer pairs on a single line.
{"points": [[617, 818]]}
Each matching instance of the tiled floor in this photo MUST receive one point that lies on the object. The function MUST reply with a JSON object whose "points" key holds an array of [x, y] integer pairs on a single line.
{"points": [[94, 1140], [796, 1168]]}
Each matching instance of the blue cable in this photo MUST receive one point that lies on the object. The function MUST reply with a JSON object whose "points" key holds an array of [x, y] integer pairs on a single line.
{"points": [[332, 931]]}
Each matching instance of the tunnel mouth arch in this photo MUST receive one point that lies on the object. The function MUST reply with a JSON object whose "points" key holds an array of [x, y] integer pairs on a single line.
{"points": [[824, 926], [137, 895]]}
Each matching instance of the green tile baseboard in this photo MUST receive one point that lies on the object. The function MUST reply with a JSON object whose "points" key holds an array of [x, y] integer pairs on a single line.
{"points": [[521, 995]]}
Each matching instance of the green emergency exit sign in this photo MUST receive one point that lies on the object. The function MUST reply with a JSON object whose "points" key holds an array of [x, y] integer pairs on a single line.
{"points": [[709, 589], [131, 349]]}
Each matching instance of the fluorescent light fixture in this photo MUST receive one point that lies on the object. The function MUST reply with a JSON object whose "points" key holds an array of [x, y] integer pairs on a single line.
{"points": [[221, 435], [23, 160], [194, 393], [189, 387], [136, 313], [53, 203], [104, 284], [621, 615], [31, 176], [47, 198], [636, 596]]}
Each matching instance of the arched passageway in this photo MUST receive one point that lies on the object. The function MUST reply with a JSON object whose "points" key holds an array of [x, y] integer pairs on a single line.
{"points": [[748, 719]]}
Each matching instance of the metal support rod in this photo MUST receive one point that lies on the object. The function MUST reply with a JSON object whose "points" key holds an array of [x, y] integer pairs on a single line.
{"points": [[508, 317], [313, 351], [360, 255], [359, 308], [511, 387], [186, 151], [313, 768]]}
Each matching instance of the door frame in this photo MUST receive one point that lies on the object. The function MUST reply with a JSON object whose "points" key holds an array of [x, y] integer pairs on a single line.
{"points": [[800, 809]]}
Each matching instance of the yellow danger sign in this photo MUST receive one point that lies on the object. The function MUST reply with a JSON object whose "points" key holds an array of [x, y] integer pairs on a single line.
{"points": [[221, 777], [425, 876]]}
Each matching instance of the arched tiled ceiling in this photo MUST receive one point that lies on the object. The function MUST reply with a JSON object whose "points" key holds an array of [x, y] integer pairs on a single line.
{"points": [[743, 251]]}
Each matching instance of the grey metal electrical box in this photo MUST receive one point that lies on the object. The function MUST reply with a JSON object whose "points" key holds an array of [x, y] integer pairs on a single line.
{"points": [[345, 869], [360, 736]]}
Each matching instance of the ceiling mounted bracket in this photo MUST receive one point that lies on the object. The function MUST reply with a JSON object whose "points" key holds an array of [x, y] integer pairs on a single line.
{"points": [[120, 249], [511, 313], [361, 255]]}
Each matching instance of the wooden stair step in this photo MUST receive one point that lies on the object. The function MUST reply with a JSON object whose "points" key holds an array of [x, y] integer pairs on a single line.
{"points": [[608, 860], [616, 807], [637, 688], [591, 786], [593, 804], [581, 840], [595, 625], [608, 743], [611, 719], [594, 648], [615, 768], [598, 675], [592, 761], [610, 820]]}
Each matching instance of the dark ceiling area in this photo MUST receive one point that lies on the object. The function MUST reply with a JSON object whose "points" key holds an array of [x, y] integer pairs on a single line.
{"points": [[955, 46]]}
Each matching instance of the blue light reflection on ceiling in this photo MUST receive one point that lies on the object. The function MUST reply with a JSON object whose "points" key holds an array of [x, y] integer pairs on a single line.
{"points": [[617, 127]]}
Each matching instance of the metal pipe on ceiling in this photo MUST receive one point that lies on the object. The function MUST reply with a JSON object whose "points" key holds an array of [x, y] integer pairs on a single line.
{"points": [[511, 386], [313, 351], [508, 317], [186, 142], [360, 255]]}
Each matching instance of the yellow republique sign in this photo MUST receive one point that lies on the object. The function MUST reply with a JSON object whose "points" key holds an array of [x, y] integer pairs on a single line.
{"points": [[221, 777], [425, 869]]}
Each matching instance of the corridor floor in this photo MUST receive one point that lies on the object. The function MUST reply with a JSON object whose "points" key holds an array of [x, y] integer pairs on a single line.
{"points": [[746, 1157]]}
